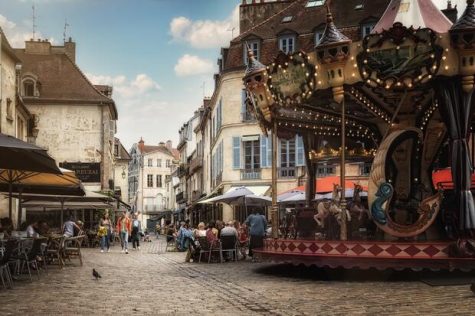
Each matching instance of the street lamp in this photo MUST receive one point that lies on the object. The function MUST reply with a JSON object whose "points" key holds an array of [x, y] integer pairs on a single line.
{"points": [[123, 172]]}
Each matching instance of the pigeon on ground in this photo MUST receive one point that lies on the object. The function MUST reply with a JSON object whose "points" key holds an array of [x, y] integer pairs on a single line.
{"points": [[96, 274], [472, 287]]}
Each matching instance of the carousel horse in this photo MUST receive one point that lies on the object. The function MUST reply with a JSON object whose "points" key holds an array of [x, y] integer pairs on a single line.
{"points": [[331, 207], [289, 227], [355, 206]]}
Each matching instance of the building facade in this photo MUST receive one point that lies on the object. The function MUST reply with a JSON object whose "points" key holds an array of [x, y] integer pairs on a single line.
{"points": [[14, 116], [150, 168], [72, 118], [121, 171]]}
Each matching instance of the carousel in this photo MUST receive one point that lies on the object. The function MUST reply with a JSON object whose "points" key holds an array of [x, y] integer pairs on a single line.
{"points": [[401, 98]]}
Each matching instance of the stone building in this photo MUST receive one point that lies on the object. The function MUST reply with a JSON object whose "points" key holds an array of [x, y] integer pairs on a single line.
{"points": [[150, 168], [14, 116], [73, 120], [121, 171]]}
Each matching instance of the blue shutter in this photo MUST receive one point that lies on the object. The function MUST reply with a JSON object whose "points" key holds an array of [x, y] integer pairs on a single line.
{"points": [[236, 153], [300, 151], [243, 104], [263, 154], [269, 150]]}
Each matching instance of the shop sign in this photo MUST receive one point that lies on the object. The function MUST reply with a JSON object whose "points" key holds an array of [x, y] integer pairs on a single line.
{"points": [[85, 171]]}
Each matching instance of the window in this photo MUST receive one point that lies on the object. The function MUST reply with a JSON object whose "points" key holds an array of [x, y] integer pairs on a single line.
{"points": [[366, 29], [254, 45], [287, 19], [116, 150], [365, 168], [314, 3], [287, 44], [28, 88], [150, 162], [20, 128], [324, 170], [167, 163], [9, 110], [318, 36], [159, 181], [252, 155], [159, 163], [150, 181], [246, 115], [266, 151], [287, 158], [219, 115]]}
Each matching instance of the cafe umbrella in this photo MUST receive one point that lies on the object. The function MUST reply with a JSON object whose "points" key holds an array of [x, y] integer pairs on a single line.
{"points": [[19, 161]]}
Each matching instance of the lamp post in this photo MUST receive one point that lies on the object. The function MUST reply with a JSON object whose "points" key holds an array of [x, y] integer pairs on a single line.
{"points": [[333, 51]]}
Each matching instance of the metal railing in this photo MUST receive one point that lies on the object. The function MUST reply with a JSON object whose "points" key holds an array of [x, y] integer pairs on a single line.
{"points": [[287, 172], [250, 174]]}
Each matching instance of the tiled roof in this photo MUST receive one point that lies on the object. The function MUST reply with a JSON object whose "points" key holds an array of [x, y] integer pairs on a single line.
{"points": [[467, 20], [149, 149], [305, 21], [61, 79], [123, 153]]}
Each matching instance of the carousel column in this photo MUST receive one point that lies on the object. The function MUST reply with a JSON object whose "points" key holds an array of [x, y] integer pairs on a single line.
{"points": [[333, 52], [310, 187], [275, 210]]}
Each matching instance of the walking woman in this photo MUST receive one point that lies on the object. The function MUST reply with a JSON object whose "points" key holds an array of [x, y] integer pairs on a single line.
{"points": [[105, 231], [124, 226], [136, 232]]}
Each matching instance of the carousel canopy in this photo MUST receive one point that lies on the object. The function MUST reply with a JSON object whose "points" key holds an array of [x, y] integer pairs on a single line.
{"points": [[415, 13]]}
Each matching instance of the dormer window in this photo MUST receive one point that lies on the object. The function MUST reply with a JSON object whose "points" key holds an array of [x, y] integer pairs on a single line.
{"points": [[318, 36], [366, 29], [287, 44], [254, 45], [315, 3], [29, 88]]}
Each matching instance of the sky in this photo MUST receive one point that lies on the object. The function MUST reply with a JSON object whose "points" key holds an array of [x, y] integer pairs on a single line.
{"points": [[159, 55]]}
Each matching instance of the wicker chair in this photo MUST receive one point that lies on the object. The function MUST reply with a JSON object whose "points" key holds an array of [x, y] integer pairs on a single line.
{"points": [[229, 245], [54, 250], [72, 248], [29, 258], [10, 246]]}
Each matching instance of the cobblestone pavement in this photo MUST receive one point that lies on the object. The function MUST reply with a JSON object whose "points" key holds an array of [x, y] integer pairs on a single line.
{"points": [[150, 282]]}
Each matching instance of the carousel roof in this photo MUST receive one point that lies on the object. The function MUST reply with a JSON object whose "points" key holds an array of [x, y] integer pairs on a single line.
{"points": [[415, 13], [253, 65], [467, 20], [332, 35]]}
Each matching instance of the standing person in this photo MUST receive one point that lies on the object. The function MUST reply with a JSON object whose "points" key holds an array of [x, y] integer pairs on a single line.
{"points": [[257, 226], [69, 226], [105, 231], [124, 227], [136, 230]]}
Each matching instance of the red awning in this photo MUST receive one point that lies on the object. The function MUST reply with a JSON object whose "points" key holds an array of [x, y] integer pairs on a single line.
{"points": [[443, 178], [324, 185]]}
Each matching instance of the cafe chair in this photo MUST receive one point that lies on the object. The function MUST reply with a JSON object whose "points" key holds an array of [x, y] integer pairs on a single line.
{"points": [[5, 273], [208, 248], [229, 246]]}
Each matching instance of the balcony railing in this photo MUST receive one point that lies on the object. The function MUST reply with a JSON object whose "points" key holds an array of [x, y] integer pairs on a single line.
{"points": [[153, 208], [182, 170], [196, 164], [181, 197], [287, 172], [250, 174]]}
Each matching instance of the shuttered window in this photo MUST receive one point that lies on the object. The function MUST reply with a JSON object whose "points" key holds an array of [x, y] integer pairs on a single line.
{"points": [[236, 153]]}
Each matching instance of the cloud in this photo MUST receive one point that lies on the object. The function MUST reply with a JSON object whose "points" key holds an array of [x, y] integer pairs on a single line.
{"points": [[142, 85], [189, 65], [205, 33]]}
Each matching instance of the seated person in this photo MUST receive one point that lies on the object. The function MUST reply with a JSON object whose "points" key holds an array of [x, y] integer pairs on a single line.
{"points": [[69, 227]]}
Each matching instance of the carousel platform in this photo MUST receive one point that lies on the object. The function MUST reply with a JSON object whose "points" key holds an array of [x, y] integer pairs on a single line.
{"points": [[364, 254]]}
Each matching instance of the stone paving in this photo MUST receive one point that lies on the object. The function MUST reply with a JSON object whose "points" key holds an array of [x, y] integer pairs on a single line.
{"points": [[151, 282]]}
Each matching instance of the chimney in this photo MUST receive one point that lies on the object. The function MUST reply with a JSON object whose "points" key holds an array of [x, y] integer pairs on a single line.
{"points": [[141, 145], [169, 144], [161, 144], [70, 49], [38, 47]]}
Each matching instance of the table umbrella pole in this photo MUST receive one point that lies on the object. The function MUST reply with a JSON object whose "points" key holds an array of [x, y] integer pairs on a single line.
{"points": [[10, 192], [62, 211]]}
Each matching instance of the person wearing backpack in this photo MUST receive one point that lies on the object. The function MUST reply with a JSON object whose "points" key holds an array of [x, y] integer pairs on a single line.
{"points": [[136, 232]]}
